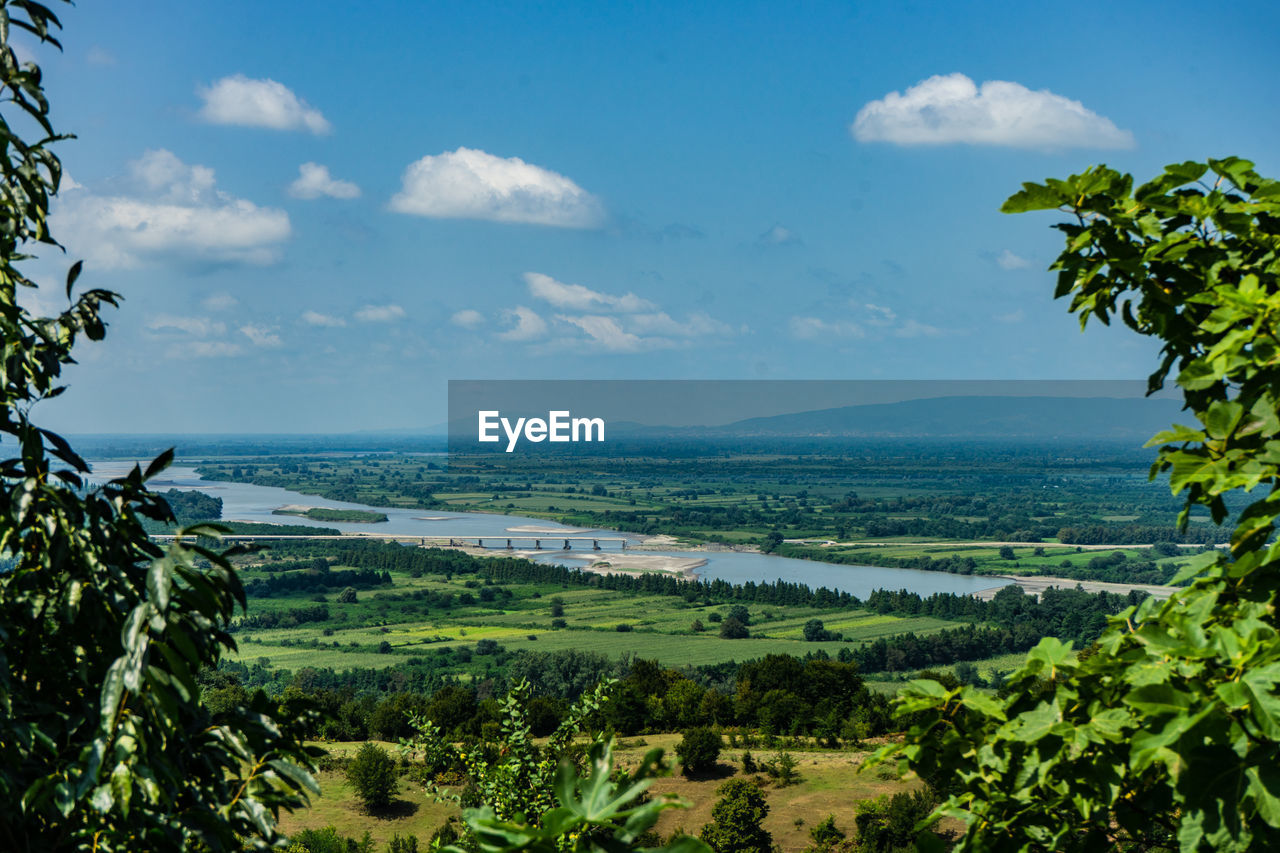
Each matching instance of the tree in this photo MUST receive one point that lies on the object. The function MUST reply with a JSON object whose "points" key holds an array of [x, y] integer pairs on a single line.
{"points": [[372, 774], [740, 613], [816, 632], [105, 742], [1006, 553], [888, 824], [698, 751], [348, 596], [1166, 734], [736, 820], [733, 629], [557, 607], [826, 835]]}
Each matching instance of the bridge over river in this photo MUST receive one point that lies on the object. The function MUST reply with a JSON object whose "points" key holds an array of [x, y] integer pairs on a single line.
{"points": [[507, 542]]}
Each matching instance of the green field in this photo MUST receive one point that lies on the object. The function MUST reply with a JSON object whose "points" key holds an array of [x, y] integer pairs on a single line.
{"points": [[660, 626]]}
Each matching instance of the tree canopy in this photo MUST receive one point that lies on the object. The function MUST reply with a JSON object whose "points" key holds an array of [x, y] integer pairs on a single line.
{"points": [[105, 743], [1167, 735]]}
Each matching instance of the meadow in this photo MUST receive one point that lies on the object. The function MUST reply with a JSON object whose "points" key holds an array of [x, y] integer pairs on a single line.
{"points": [[830, 782], [655, 627]]}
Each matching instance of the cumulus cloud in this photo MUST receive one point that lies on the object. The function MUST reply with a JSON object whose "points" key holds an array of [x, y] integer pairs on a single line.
{"points": [[473, 184], [951, 108], [592, 320], [177, 213], [221, 301], [814, 328], [468, 318], [879, 315], [314, 181], [916, 329], [524, 324], [575, 297], [200, 327], [1007, 260], [204, 349], [241, 100], [315, 318], [379, 313], [261, 336], [607, 333]]}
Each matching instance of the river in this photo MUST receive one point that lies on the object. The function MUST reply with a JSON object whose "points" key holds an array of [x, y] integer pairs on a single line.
{"points": [[247, 502]]}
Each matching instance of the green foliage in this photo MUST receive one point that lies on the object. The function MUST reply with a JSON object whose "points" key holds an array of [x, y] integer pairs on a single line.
{"points": [[698, 751], [890, 824], [104, 741], [1167, 735], [736, 820], [782, 768], [596, 813], [825, 835], [733, 629], [372, 773]]}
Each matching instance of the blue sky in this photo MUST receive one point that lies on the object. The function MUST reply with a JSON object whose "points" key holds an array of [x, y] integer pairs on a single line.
{"points": [[317, 218]]}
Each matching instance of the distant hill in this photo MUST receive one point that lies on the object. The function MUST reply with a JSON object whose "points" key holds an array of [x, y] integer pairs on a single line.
{"points": [[1135, 419]]}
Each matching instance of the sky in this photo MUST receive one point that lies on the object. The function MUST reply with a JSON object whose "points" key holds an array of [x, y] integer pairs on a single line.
{"points": [[319, 214]]}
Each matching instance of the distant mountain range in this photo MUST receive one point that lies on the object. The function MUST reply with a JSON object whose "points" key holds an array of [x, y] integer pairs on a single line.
{"points": [[960, 417]]}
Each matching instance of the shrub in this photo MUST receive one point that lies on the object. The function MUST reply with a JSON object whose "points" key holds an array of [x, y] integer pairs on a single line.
{"points": [[372, 774], [698, 751], [736, 820]]}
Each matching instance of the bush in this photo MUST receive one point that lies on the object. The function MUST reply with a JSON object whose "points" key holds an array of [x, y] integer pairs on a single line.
{"points": [[888, 824], [348, 596], [698, 751], [372, 774], [826, 834], [736, 820]]}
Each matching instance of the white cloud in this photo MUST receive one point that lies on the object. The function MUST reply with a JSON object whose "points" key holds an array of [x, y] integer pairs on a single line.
{"points": [[244, 101], [575, 297], [661, 323], [379, 313], [262, 336], [314, 181], [199, 327], [179, 213], [473, 184], [916, 329], [1012, 317], [951, 108], [221, 301], [607, 333], [468, 318], [779, 236], [204, 349], [813, 328], [315, 318], [1007, 260], [879, 315], [525, 325]]}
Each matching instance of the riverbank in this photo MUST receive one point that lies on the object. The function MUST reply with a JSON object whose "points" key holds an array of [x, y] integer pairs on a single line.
{"points": [[1036, 584]]}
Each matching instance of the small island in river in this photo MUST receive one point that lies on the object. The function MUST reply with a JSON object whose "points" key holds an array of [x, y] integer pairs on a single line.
{"points": [[324, 513]]}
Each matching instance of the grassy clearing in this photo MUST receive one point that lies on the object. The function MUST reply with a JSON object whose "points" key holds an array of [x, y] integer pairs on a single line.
{"points": [[831, 783]]}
